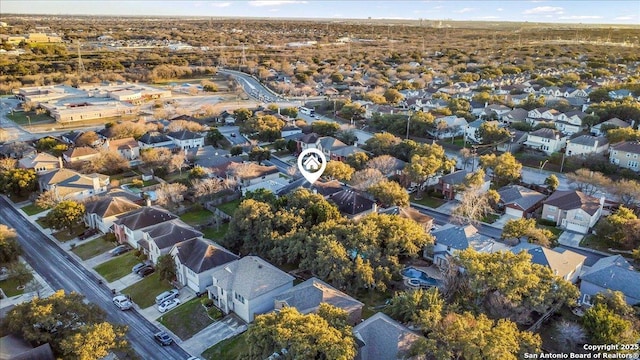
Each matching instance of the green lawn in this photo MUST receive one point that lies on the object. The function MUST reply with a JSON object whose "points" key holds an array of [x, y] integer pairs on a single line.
{"points": [[373, 302], [144, 292], [9, 287], [491, 218], [41, 222], [595, 242], [64, 234], [32, 209], [20, 118], [187, 319], [197, 217], [93, 248], [230, 207], [229, 349], [213, 234], [554, 230], [428, 201], [175, 176], [146, 183], [119, 267]]}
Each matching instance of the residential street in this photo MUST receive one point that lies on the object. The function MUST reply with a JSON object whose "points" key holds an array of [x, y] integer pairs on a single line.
{"points": [[61, 271]]}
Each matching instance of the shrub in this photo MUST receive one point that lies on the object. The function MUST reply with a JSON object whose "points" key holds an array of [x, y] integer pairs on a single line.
{"points": [[214, 313], [137, 183], [207, 302], [546, 222]]}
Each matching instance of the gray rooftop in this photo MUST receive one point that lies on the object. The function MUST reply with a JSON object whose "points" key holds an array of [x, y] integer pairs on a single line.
{"points": [[250, 277], [461, 238], [520, 196], [562, 263], [616, 274], [145, 217], [307, 296], [589, 140], [169, 233], [200, 255], [383, 338]]}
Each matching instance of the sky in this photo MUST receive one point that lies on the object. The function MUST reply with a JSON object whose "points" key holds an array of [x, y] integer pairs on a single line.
{"points": [[603, 12]]}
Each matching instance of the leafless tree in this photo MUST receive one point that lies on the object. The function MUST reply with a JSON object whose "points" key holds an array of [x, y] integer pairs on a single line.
{"points": [[364, 179], [570, 334], [47, 200], [179, 125], [474, 205], [204, 188], [589, 182], [177, 162], [628, 191], [383, 163], [170, 195], [8, 164]]}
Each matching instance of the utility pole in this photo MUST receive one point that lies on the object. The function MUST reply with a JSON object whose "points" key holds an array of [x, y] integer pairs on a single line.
{"points": [[80, 69]]}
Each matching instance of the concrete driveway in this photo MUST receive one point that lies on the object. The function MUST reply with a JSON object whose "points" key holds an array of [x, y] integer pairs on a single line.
{"points": [[228, 327], [569, 238], [503, 220]]}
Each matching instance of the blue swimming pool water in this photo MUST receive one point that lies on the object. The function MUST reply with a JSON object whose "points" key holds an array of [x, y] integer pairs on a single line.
{"points": [[419, 275]]}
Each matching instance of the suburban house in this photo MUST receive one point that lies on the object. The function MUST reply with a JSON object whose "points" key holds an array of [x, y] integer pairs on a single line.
{"points": [[564, 263], [626, 155], [519, 201], [215, 161], [82, 153], [249, 173], [102, 211], [196, 259], [382, 338], [129, 227], [128, 148], [494, 111], [186, 139], [40, 162], [17, 150], [290, 130], [325, 189], [353, 204], [612, 273], [471, 132], [71, 137], [586, 145], [155, 139], [546, 140], [273, 185], [247, 286], [572, 210], [332, 148], [451, 238], [448, 126], [425, 221], [450, 184], [571, 122], [307, 296], [515, 115], [518, 138], [538, 115], [68, 184], [158, 239], [611, 123]]}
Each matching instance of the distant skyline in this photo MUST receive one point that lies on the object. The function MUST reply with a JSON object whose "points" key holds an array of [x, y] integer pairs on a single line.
{"points": [[591, 12]]}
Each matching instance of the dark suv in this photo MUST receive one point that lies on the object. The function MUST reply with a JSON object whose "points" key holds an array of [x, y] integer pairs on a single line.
{"points": [[146, 271], [163, 338]]}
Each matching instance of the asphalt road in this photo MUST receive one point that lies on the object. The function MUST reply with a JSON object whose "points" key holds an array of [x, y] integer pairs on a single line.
{"points": [[62, 271], [442, 218]]}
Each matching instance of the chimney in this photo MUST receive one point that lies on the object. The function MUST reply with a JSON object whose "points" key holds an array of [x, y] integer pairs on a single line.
{"points": [[60, 162], [486, 104], [602, 201]]}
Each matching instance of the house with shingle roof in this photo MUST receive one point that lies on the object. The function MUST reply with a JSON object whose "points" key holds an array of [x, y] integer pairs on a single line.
{"points": [[572, 210], [626, 155], [72, 185], [128, 148], [247, 287], [352, 203], [196, 259], [451, 238], [40, 162], [128, 228], [570, 122], [424, 220], [546, 140], [247, 174], [382, 338], [82, 153], [307, 296], [186, 139], [612, 273], [612, 123], [71, 137], [102, 211], [519, 201], [17, 150], [154, 139], [451, 183], [157, 240], [448, 126], [564, 263], [586, 145], [325, 189]]}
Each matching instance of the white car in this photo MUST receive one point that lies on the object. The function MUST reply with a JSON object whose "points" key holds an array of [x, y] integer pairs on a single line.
{"points": [[168, 305], [122, 302]]}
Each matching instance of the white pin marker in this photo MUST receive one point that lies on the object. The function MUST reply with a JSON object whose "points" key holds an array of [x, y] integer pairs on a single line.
{"points": [[311, 164]]}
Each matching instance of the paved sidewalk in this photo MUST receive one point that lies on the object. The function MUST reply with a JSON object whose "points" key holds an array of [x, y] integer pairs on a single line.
{"points": [[43, 290], [228, 327], [448, 207]]}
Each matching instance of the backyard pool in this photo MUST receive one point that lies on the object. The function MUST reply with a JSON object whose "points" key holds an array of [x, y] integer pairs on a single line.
{"points": [[135, 190], [418, 278]]}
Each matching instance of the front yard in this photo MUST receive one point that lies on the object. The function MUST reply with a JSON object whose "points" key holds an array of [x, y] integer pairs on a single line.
{"points": [[93, 248], [64, 234], [32, 209], [596, 243], [229, 349], [144, 292], [9, 286], [187, 319], [197, 217], [428, 201], [117, 268]]}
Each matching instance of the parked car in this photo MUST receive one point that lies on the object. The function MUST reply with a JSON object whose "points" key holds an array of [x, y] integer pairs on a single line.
{"points": [[170, 294], [87, 234], [146, 267], [137, 267], [119, 250], [146, 271], [163, 338], [122, 302], [168, 305]]}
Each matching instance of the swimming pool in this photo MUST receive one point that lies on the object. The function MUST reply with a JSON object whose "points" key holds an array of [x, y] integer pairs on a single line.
{"points": [[418, 277]]}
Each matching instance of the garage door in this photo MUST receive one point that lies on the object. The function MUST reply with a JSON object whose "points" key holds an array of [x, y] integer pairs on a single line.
{"points": [[513, 212]]}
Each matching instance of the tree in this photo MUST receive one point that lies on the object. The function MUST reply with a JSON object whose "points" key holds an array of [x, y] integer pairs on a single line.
{"points": [[203, 189], [474, 207], [166, 267], [156, 157], [628, 191], [170, 195], [338, 170], [526, 228], [552, 182], [390, 193], [589, 182], [127, 129], [325, 128], [177, 162], [179, 125], [570, 334], [20, 273], [382, 143], [291, 330], [236, 150], [88, 138], [266, 127], [47, 200], [423, 307], [386, 164], [352, 111], [65, 215], [364, 179], [93, 342], [505, 168], [106, 162], [393, 96], [259, 154], [622, 134], [242, 115], [215, 137], [18, 181], [426, 162], [197, 172], [7, 163], [280, 144], [490, 133], [9, 246], [57, 318], [615, 228], [357, 160], [607, 327]]}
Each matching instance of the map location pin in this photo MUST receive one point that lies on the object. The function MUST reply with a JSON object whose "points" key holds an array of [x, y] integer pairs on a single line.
{"points": [[311, 163]]}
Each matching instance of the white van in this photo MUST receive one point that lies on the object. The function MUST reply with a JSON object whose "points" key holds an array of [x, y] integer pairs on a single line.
{"points": [[167, 295]]}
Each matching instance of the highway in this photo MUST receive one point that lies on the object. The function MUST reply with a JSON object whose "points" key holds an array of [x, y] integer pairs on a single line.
{"points": [[62, 271]]}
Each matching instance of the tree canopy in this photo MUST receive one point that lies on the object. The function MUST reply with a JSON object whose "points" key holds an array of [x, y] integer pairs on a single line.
{"points": [[65, 215], [9, 246]]}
